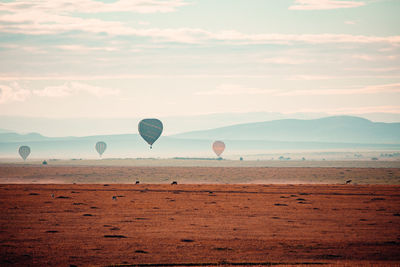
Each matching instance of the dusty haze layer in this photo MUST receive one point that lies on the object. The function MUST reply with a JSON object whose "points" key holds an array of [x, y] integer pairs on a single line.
{"points": [[204, 162]]}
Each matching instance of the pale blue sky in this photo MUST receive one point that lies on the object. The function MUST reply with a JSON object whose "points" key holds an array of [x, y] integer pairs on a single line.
{"points": [[159, 58]]}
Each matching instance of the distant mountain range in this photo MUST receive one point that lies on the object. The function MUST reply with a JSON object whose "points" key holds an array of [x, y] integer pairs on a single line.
{"points": [[345, 129], [328, 134], [172, 124]]}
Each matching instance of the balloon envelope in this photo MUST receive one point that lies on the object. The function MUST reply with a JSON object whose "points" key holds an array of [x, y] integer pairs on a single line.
{"points": [[150, 130], [101, 147], [218, 147], [24, 152]]}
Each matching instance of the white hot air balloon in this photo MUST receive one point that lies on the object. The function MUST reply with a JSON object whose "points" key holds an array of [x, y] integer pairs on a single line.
{"points": [[101, 147], [24, 151]]}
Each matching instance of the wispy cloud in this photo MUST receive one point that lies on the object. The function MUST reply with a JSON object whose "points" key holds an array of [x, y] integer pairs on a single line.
{"points": [[353, 110], [363, 57], [372, 89], [47, 17], [26, 48], [324, 4], [375, 69], [235, 89], [271, 38], [72, 88], [58, 77], [13, 92], [369, 109], [90, 6], [55, 17], [311, 77], [82, 48], [286, 60]]}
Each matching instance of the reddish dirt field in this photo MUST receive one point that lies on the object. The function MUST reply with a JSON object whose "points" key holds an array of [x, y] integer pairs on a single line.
{"points": [[353, 225]]}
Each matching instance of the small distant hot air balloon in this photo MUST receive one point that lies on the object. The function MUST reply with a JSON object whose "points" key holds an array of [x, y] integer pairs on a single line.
{"points": [[150, 130], [101, 147], [24, 151], [218, 147]]}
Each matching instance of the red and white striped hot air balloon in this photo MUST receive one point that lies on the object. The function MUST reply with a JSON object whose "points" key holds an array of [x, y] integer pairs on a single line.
{"points": [[218, 147]]}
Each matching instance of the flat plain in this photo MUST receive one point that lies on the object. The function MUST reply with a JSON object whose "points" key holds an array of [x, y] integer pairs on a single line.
{"points": [[202, 172], [276, 216]]}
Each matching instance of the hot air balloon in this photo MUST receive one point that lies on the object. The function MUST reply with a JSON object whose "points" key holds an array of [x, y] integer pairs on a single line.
{"points": [[24, 152], [101, 147], [150, 130], [218, 147]]}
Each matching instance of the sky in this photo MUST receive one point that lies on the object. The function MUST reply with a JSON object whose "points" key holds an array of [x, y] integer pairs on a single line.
{"points": [[152, 58]]}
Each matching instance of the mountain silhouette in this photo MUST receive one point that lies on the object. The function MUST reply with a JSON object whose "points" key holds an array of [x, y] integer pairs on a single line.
{"points": [[346, 129]]}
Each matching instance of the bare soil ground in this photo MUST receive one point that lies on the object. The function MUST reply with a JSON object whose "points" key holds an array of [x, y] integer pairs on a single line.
{"points": [[260, 216], [81, 224]]}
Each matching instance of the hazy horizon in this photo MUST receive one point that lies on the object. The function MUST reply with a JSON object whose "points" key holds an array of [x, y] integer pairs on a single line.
{"points": [[338, 138], [62, 127]]}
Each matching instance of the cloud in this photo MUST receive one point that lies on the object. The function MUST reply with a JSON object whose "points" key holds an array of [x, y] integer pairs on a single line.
{"points": [[354, 110], [311, 77], [371, 89], [26, 48], [375, 69], [13, 92], [304, 38], [59, 17], [286, 61], [81, 48], [363, 57], [90, 6], [125, 77], [72, 88], [370, 109], [323, 4], [235, 89], [38, 22], [381, 88], [56, 17], [237, 37]]}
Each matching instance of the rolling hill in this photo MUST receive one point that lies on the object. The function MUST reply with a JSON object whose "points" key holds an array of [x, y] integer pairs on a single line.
{"points": [[343, 129]]}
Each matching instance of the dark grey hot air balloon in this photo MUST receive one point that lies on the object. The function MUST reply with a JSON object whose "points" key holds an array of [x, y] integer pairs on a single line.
{"points": [[101, 147], [150, 130], [218, 147], [24, 151]]}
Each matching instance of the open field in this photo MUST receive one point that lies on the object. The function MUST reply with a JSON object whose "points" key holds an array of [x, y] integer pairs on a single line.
{"points": [[149, 162], [199, 224], [85, 174]]}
